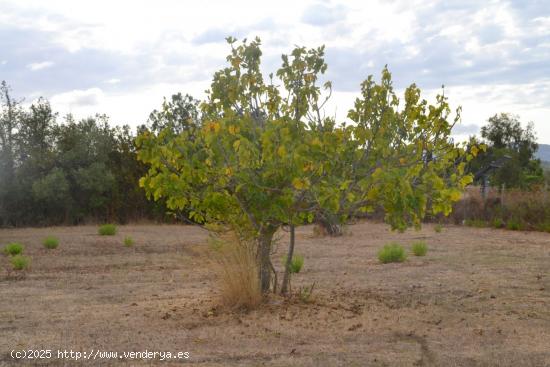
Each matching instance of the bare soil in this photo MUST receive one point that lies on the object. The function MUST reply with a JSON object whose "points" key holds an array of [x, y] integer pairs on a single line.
{"points": [[480, 297]]}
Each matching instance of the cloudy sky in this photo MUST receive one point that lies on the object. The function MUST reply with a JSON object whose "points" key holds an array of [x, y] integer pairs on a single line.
{"points": [[122, 57]]}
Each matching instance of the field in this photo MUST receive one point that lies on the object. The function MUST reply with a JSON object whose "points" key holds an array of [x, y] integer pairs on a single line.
{"points": [[480, 297]]}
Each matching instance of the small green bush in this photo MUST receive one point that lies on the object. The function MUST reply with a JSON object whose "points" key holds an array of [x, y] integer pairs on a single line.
{"points": [[478, 223], [19, 262], [306, 293], [128, 241], [544, 227], [419, 248], [107, 230], [50, 242], [296, 263], [513, 225], [498, 223], [391, 253], [13, 249], [438, 228]]}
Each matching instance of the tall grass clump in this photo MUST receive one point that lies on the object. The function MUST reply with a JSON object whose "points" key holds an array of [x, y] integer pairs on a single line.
{"points": [[514, 209], [237, 270], [19, 262], [498, 223], [296, 264], [14, 248], [50, 242], [107, 230], [544, 227], [513, 224], [128, 241], [478, 223], [419, 248], [392, 253]]}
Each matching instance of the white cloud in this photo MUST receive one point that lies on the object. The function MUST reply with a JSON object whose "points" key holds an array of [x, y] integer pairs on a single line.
{"points": [[492, 56], [78, 99], [481, 102], [84, 103], [113, 81], [542, 25], [35, 66]]}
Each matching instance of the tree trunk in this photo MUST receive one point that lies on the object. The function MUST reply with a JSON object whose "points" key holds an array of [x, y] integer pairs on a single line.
{"points": [[286, 278], [264, 258]]}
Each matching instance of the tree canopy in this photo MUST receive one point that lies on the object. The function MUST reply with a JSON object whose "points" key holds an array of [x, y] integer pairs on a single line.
{"points": [[263, 154], [505, 137]]}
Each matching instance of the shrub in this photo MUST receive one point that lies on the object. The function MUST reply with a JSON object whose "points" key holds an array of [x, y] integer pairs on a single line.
{"points": [[498, 223], [128, 241], [544, 227], [50, 242], [107, 230], [438, 228], [527, 209], [296, 263], [513, 224], [19, 262], [419, 248], [13, 249], [306, 293], [478, 223], [237, 270], [391, 253]]}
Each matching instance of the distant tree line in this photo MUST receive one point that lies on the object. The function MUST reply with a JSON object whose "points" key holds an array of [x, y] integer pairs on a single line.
{"points": [[505, 138], [62, 171], [68, 171]]}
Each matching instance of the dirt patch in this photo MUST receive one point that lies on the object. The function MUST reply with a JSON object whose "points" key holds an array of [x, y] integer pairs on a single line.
{"points": [[481, 297]]}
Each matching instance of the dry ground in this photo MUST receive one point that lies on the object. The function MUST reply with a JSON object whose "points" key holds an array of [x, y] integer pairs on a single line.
{"points": [[481, 297]]}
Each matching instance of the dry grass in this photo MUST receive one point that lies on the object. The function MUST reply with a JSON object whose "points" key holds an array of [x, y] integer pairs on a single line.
{"points": [[237, 270], [480, 298], [528, 210]]}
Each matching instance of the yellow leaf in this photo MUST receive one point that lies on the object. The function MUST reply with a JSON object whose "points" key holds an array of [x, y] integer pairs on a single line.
{"points": [[281, 151], [377, 172], [297, 183], [466, 180], [236, 62], [455, 196], [213, 127], [316, 142], [474, 150], [372, 194], [236, 145], [460, 168], [309, 77], [300, 184]]}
